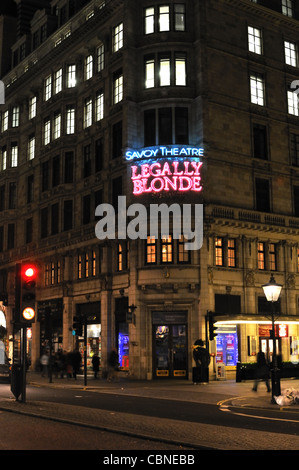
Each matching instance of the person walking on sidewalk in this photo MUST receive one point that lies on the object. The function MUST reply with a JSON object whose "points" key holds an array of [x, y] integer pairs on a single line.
{"points": [[262, 371]]}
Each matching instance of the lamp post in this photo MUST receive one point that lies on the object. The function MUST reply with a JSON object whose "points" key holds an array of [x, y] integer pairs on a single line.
{"points": [[272, 292]]}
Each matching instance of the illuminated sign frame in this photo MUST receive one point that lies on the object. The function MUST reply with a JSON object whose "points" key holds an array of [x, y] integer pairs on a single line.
{"points": [[164, 151]]}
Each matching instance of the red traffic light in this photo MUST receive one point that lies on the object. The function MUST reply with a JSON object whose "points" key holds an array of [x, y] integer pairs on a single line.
{"points": [[29, 272]]}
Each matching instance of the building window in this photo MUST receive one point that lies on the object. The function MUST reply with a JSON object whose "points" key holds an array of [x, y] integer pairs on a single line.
{"points": [[54, 218], [225, 252], [71, 76], [257, 89], [294, 149], [68, 167], [31, 148], [87, 117], [48, 88], [67, 215], [29, 230], [172, 126], [219, 261], [254, 40], [87, 161], [2, 197], [293, 107], [30, 187], [58, 81], [100, 58], [183, 252], [296, 200], [180, 70], [298, 259], [117, 88], [164, 18], [4, 121], [56, 171], [287, 8], [166, 75], [12, 196], [261, 255], [4, 158], [149, 20], [14, 155], [166, 249], [32, 107], [70, 120], [15, 116], [290, 52], [47, 132], [164, 71], [262, 194], [120, 256], [86, 209], [88, 67], [231, 253], [272, 257], [179, 17], [57, 126], [151, 250], [117, 131], [150, 73], [99, 106], [44, 222], [10, 236], [260, 146], [118, 37]]}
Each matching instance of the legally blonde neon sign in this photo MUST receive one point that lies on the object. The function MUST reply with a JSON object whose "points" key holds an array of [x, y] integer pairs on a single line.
{"points": [[172, 175]]}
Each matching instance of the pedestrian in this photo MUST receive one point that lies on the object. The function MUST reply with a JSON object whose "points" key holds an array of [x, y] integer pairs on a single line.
{"points": [[76, 362], [95, 365], [112, 364], [201, 357], [44, 361], [262, 371]]}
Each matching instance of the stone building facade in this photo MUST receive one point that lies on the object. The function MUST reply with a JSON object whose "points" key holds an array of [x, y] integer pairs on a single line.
{"points": [[88, 82]]}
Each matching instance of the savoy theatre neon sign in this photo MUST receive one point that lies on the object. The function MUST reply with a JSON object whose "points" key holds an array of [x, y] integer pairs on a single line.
{"points": [[158, 169]]}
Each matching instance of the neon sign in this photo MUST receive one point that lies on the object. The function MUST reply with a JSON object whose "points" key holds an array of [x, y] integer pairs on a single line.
{"points": [[164, 151], [171, 175]]}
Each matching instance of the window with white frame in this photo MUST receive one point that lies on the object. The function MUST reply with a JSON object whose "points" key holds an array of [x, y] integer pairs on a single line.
{"points": [[150, 73], [57, 126], [15, 116], [58, 81], [118, 37], [14, 155], [254, 40], [287, 7], [179, 17], [70, 120], [164, 18], [257, 89], [4, 158], [4, 121], [71, 76], [88, 67], [290, 52], [149, 20], [47, 131], [180, 70], [87, 117], [99, 106], [48, 88], [100, 58], [293, 107], [31, 148], [164, 71], [32, 107], [118, 88]]}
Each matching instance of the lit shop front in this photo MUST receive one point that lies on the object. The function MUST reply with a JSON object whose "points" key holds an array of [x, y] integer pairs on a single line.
{"points": [[241, 340]]}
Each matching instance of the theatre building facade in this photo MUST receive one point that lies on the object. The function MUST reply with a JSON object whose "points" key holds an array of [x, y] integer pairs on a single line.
{"points": [[114, 109]]}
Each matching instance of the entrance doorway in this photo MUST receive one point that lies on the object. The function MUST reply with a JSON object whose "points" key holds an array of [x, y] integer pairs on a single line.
{"points": [[170, 358], [266, 345]]}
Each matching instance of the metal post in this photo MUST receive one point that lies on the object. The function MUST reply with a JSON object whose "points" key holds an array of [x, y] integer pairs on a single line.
{"points": [[85, 351], [275, 377], [23, 361]]}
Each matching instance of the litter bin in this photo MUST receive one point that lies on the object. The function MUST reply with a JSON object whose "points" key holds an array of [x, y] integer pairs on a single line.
{"points": [[16, 380]]}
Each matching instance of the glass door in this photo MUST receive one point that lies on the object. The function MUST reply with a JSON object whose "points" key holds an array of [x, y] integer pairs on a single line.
{"points": [[170, 351]]}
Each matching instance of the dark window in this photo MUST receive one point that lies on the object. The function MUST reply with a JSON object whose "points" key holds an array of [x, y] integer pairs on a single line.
{"points": [[117, 139], [262, 194], [28, 230], [265, 307], [45, 176], [294, 149], [44, 222], [99, 154], [68, 215], [260, 148], [86, 208], [68, 167], [54, 218], [56, 171], [149, 127], [117, 190], [181, 126], [165, 126], [12, 195], [98, 197], [2, 197], [10, 236], [87, 161], [226, 303], [1, 239], [296, 200], [30, 181]]}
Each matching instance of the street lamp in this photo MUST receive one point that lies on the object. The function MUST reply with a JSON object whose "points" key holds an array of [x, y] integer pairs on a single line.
{"points": [[272, 292]]}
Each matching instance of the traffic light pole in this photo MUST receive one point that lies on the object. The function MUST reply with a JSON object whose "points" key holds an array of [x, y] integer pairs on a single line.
{"points": [[23, 361]]}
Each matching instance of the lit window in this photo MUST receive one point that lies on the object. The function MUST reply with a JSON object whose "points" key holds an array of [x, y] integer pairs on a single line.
{"points": [[180, 71], [231, 253], [179, 17], [100, 58], [47, 132], [272, 257], [118, 37], [290, 52], [257, 89], [293, 107], [94, 263], [183, 252], [4, 123], [149, 20], [57, 126], [164, 18], [4, 158], [79, 266], [87, 119], [219, 252], [150, 73], [14, 155], [287, 7], [71, 76], [254, 40], [48, 88], [32, 107], [31, 148], [58, 81], [86, 265], [261, 255], [15, 116], [88, 67], [118, 89], [119, 257], [151, 250], [99, 106], [166, 249], [70, 120], [164, 72]]}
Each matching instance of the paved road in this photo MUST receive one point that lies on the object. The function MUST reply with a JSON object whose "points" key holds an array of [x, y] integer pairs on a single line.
{"points": [[164, 430]]}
